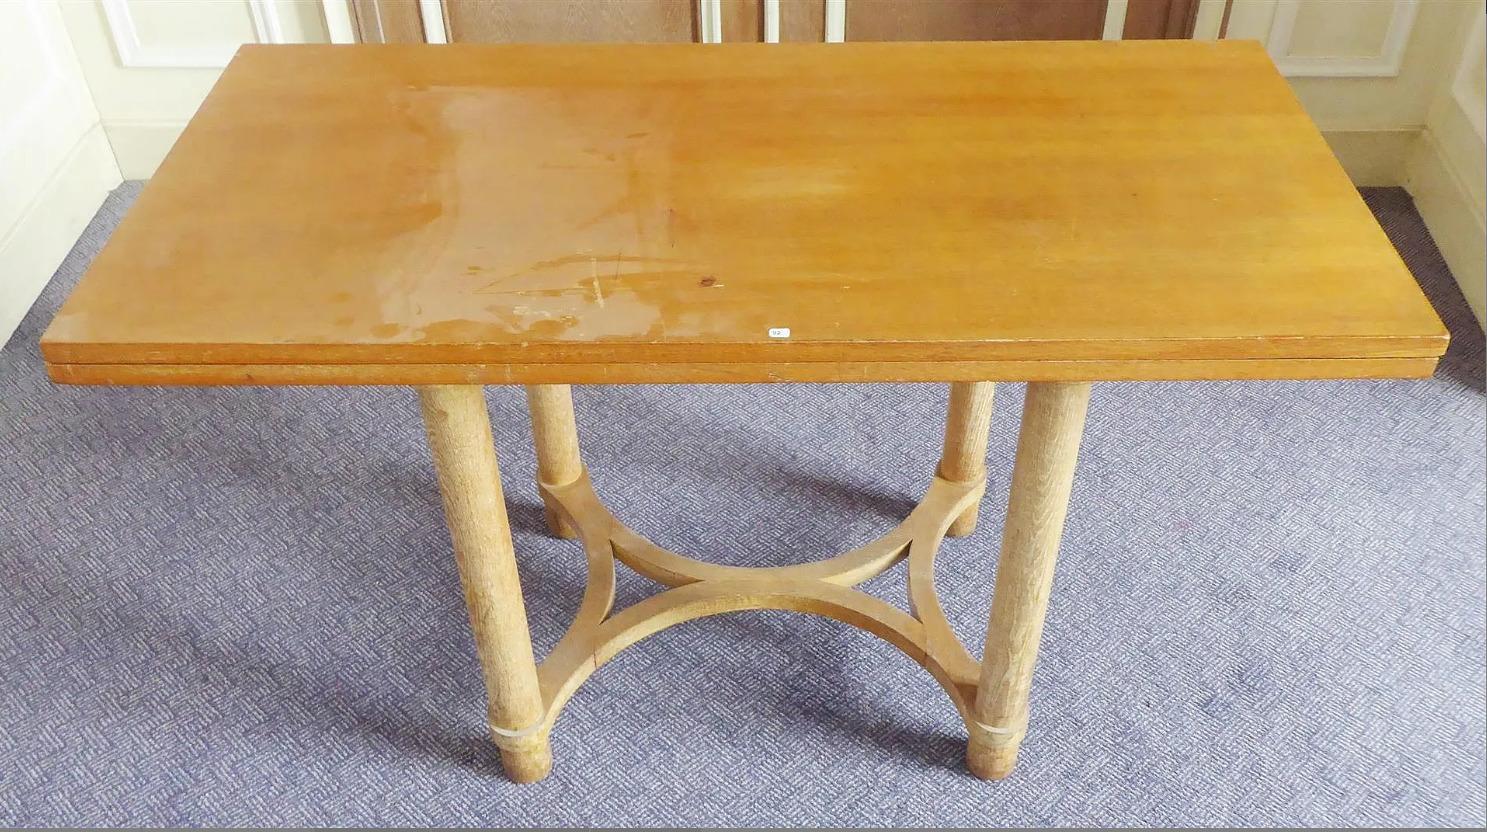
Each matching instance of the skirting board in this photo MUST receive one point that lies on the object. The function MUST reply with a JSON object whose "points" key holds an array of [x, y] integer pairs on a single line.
{"points": [[1373, 158], [1456, 224], [35, 246]]}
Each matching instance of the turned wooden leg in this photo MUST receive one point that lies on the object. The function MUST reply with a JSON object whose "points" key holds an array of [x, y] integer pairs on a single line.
{"points": [[966, 428], [1042, 476], [555, 433], [460, 437]]}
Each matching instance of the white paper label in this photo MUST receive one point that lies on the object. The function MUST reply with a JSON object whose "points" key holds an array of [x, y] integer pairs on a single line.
{"points": [[779, 332]]}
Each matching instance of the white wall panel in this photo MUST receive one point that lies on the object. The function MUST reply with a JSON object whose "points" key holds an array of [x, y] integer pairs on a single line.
{"points": [[1469, 86], [1448, 168], [1338, 28], [149, 63], [1341, 38], [1356, 69], [55, 167], [187, 35]]}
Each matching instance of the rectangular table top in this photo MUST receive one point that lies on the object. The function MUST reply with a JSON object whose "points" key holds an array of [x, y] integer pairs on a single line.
{"points": [[746, 212]]}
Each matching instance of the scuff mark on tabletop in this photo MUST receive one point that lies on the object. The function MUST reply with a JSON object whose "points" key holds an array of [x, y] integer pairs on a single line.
{"points": [[594, 277]]}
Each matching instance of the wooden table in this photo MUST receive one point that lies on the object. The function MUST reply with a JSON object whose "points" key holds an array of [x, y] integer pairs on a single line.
{"points": [[455, 216]]}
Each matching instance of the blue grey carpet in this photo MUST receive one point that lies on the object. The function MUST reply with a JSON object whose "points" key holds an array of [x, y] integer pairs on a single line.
{"points": [[238, 606]]}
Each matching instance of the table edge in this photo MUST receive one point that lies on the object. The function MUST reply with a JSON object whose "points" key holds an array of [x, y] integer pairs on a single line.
{"points": [[1414, 367], [1341, 346]]}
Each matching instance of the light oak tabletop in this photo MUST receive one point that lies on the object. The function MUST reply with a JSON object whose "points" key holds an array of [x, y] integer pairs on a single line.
{"points": [[748, 212]]}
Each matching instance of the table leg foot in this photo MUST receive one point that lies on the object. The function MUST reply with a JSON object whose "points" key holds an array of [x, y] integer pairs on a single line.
{"points": [[1042, 477], [967, 422], [527, 765], [990, 762]]}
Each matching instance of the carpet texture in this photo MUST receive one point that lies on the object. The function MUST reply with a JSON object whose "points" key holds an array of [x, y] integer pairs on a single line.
{"points": [[238, 606]]}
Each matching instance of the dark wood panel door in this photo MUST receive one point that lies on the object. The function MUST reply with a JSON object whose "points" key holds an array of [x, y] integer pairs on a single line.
{"points": [[800, 20], [803, 20], [571, 21], [1158, 19], [975, 19], [387, 21], [742, 21]]}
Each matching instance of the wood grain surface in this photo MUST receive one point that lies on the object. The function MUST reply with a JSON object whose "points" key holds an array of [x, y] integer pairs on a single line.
{"points": [[581, 213]]}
